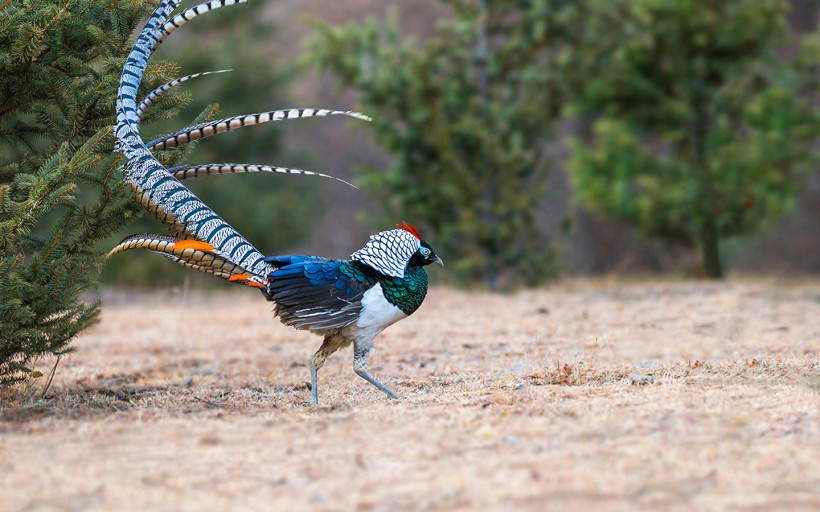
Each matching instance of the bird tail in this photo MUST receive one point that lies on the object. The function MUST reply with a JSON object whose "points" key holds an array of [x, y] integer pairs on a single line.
{"points": [[225, 252], [193, 254]]}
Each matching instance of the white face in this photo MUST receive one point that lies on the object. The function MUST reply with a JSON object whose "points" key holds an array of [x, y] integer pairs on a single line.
{"points": [[388, 251]]}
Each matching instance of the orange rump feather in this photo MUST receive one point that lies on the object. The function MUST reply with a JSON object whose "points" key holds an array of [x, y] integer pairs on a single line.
{"points": [[193, 244]]}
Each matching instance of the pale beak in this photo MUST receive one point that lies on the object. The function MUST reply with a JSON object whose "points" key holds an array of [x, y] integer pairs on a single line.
{"points": [[439, 261]]}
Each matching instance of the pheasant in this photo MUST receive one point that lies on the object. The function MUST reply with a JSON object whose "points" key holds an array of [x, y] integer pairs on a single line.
{"points": [[345, 301]]}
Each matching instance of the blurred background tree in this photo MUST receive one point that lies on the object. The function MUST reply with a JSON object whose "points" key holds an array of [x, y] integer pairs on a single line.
{"points": [[274, 212], [465, 115], [60, 192], [703, 129]]}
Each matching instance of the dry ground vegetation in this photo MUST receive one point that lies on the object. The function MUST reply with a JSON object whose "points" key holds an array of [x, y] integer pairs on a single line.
{"points": [[595, 395]]}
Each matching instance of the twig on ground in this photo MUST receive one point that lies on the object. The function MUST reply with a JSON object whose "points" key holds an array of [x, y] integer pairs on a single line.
{"points": [[51, 377]]}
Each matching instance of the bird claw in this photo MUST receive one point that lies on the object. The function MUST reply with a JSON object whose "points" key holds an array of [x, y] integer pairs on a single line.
{"points": [[369, 378]]}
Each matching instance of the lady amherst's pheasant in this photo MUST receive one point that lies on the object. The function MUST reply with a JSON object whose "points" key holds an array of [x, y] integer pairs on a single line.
{"points": [[346, 301]]}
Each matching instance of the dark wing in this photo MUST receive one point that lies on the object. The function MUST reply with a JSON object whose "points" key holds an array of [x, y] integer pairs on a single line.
{"points": [[317, 294]]}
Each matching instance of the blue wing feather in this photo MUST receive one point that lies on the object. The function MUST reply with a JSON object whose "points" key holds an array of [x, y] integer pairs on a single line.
{"points": [[281, 261], [316, 293]]}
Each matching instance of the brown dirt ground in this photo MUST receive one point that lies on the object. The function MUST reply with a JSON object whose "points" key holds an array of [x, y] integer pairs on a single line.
{"points": [[533, 401]]}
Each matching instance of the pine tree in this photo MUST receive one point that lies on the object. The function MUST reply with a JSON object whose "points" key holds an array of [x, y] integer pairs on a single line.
{"points": [[466, 116], [704, 129], [60, 185]]}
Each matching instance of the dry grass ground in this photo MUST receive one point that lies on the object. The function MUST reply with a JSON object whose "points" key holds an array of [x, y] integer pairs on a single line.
{"points": [[589, 395]]}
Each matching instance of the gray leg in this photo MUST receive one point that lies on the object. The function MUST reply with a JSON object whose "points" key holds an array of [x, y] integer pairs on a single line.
{"points": [[314, 373], [329, 346], [361, 353]]}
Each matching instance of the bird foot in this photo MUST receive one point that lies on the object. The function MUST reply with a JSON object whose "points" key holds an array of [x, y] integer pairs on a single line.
{"points": [[369, 378]]}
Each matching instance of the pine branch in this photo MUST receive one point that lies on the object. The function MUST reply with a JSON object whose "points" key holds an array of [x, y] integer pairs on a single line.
{"points": [[57, 107]]}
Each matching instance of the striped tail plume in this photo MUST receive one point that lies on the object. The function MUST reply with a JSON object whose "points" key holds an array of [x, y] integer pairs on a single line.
{"points": [[153, 95], [190, 253], [192, 133], [228, 124], [201, 239], [184, 172]]}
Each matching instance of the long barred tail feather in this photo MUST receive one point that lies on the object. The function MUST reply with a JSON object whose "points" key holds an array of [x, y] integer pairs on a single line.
{"points": [[201, 239], [189, 14], [153, 95], [150, 178], [183, 172], [164, 244], [174, 225], [138, 58], [201, 131], [189, 253]]}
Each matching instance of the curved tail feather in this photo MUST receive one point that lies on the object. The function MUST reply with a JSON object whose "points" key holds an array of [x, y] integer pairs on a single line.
{"points": [[204, 130], [152, 180], [184, 172], [189, 253], [189, 14], [201, 239], [153, 95], [137, 59], [174, 225]]}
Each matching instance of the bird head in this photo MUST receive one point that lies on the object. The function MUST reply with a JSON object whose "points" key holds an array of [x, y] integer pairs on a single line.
{"points": [[425, 254], [391, 252]]}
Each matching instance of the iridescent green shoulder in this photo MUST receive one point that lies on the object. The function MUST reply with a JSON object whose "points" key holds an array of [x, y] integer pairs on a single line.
{"points": [[357, 271]]}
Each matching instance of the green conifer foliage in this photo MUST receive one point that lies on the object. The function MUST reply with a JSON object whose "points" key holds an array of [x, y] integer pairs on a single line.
{"points": [[60, 186], [465, 116], [706, 128]]}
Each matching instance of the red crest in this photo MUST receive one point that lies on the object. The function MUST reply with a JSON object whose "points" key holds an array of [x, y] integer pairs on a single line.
{"points": [[409, 228]]}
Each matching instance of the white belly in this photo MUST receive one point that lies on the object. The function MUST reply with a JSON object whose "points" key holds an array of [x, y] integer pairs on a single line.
{"points": [[377, 314]]}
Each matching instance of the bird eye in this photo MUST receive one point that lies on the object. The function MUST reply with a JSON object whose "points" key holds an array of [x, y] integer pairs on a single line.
{"points": [[425, 251]]}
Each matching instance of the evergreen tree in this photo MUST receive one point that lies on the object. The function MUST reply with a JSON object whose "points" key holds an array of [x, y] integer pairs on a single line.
{"points": [[466, 116], [60, 188], [705, 130]]}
